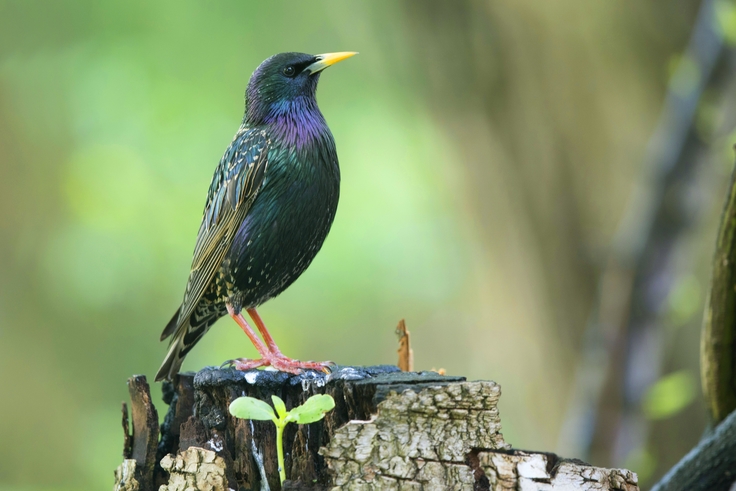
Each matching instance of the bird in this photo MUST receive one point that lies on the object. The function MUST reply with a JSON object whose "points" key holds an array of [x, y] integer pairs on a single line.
{"points": [[269, 207]]}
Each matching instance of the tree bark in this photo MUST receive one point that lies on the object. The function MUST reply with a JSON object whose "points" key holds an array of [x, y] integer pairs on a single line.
{"points": [[718, 340], [389, 430]]}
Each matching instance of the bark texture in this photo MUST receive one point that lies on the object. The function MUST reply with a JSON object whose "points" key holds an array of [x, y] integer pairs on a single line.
{"points": [[125, 477], [519, 470], [139, 448], [424, 437], [718, 340], [390, 430], [194, 469]]}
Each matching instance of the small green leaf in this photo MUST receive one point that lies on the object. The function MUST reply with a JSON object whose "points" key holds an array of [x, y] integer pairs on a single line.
{"points": [[250, 408], [312, 410], [279, 405]]}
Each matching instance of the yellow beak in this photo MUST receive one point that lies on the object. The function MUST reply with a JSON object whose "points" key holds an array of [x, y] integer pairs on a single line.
{"points": [[328, 59]]}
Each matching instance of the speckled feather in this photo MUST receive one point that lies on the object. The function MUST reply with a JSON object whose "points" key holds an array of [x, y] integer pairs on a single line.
{"points": [[270, 205]]}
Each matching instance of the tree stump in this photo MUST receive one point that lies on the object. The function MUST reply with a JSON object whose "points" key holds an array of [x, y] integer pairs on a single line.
{"points": [[389, 430]]}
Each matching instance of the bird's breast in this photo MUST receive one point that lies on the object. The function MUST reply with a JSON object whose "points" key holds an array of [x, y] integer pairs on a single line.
{"points": [[287, 223]]}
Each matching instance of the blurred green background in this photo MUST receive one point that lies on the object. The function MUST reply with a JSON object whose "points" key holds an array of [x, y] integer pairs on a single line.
{"points": [[488, 152]]}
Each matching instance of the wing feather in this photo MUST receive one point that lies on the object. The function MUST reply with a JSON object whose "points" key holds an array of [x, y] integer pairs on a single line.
{"points": [[234, 186], [236, 183]]}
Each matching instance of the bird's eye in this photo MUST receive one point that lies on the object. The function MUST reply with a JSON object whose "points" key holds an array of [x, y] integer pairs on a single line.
{"points": [[289, 71]]}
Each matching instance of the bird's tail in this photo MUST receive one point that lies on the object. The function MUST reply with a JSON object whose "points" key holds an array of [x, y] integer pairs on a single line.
{"points": [[177, 351], [185, 335], [171, 326], [172, 362]]}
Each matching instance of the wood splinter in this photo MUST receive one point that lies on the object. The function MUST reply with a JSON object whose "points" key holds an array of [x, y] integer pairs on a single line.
{"points": [[406, 354]]}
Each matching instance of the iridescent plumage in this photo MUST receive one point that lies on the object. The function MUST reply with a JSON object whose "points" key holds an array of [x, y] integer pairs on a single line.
{"points": [[270, 205]]}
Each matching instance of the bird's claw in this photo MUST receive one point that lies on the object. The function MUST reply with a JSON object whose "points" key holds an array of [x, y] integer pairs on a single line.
{"points": [[244, 364]]}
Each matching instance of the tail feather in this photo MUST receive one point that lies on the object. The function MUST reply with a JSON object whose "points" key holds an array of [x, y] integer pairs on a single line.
{"points": [[172, 362], [185, 336], [171, 326]]}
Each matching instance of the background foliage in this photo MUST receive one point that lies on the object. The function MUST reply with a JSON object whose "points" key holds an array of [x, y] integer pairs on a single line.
{"points": [[488, 152]]}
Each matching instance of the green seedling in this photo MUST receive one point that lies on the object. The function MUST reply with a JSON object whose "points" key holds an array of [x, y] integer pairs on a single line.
{"points": [[312, 410]]}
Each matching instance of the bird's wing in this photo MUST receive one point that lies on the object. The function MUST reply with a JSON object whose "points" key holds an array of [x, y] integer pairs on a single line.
{"points": [[235, 184]]}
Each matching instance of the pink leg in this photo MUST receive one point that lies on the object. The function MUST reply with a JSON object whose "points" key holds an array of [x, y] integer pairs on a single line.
{"points": [[264, 352], [264, 332], [244, 364], [279, 361]]}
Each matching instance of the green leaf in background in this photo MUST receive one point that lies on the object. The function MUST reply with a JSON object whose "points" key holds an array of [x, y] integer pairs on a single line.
{"points": [[250, 408], [669, 395], [280, 406], [312, 410]]}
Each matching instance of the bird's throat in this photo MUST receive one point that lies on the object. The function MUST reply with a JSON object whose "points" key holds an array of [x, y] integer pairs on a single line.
{"points": [[297, 122]]}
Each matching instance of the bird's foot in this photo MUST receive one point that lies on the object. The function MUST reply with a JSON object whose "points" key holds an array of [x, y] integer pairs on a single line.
{"points": [[285, 364], [280, 363]]}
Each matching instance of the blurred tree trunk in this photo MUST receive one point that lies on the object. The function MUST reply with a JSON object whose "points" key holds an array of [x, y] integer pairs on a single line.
{"points": [[718, 344], [659, 217], [512, 117]]}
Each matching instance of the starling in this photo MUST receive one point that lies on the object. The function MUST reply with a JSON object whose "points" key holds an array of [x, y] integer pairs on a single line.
{"points": [[269, 208]]}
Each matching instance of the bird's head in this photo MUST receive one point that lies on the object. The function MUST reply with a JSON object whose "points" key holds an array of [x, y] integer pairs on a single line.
{"points": [[286, 82]]}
